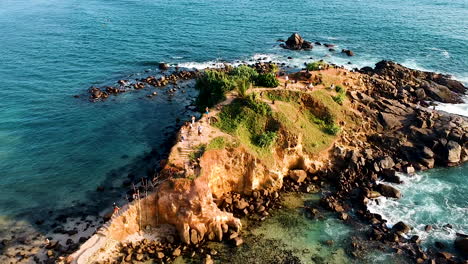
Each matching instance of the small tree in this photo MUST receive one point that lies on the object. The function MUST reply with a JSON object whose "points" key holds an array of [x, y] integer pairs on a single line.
{"points": [[242, 86]]}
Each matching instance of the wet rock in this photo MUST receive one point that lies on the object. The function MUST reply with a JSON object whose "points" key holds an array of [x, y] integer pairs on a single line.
{"points": [[347, 52], [453, 152], [445, 255], [461, 244], [343, 216], [163, 66], [388, 191], [401, 227], [428, 228], [296, 42]]}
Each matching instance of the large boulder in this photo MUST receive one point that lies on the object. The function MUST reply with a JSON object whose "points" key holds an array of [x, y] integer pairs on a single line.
{"points": [[453, 152], [461, 244], [347, 52], [401, 227], [388, 191], [390, 121], [296, 42], [298, 175]]}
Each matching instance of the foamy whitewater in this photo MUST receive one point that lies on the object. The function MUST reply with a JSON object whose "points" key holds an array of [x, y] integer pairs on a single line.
{"points": [[436, 197]]}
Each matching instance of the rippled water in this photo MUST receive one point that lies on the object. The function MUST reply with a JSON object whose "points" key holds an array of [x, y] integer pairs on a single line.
{"points": [[55, 149]]}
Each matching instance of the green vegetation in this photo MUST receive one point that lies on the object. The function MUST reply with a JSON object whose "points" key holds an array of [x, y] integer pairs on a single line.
{"points": [[217, 143], [244, 72], [341, 95], [283, 95], [213, 86], [197, 153], [266, 140], [267, 80], [315, 66], [249, 120], [242, 85]]}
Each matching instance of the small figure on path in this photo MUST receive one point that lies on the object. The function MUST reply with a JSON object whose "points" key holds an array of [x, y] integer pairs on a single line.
{"points": [[193, 120], [207, 110], [116, 208], [200, 129], [286, 80]]}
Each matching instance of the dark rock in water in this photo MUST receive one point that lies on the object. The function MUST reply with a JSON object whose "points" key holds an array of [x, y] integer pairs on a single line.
{"points": [[100, 189], [390, 176], [296, 42], [163, 66], [428, 228], [401, 227], [347, 52], [328, 45], [331, 50], [461, 244], [388, 191], [439, 245], [318, 43]]}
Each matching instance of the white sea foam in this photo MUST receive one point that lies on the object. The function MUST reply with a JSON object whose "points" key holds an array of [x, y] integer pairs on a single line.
{"points": [[459, 109], [423, 202], [443, 52]]}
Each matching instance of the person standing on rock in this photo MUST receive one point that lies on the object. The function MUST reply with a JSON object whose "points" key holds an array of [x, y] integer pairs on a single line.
{"points": [[286, 80], [116, 209], [200, 129], [193, 120]]}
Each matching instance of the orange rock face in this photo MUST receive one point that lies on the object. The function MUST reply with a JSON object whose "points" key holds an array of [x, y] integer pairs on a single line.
{"points": [[189, 206]]}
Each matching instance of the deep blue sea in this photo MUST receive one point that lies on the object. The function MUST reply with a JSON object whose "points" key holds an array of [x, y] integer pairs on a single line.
{"points": [[55, 149]]}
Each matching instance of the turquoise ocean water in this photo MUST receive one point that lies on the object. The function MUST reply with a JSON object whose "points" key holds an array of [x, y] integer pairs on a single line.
{"points": [[55, 149]]}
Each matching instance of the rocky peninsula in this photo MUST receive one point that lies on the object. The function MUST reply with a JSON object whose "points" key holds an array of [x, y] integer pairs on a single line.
{"points": [[265, 134]]}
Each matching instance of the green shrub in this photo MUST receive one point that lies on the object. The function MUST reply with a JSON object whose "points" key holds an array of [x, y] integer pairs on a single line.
{"points": [[242, 85], [259, 107], [340, 89], [213, 86], [244, 72], [332, 129], [216, 143], [339, 98], [267, 80], [266, 139], [197, 153], [315, 66]]}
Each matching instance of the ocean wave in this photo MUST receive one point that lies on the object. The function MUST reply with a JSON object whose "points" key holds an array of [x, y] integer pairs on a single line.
{"points": [[424, 203]]}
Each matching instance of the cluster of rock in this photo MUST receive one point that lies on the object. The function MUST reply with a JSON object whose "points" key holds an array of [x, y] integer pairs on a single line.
{"points": [[255, 206], [103, 93], [296, 42], [399, 135], [157, 251]]}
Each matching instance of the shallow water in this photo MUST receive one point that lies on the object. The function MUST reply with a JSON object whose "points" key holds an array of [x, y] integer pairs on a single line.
{"points": [[55, 149]]}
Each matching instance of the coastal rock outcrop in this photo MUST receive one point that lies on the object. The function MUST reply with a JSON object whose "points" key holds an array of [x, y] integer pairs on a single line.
{"points": [[189, 206], [296, 42]]}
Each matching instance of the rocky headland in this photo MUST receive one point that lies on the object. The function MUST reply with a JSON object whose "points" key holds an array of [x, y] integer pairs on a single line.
{"points": [[347, 131]]}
